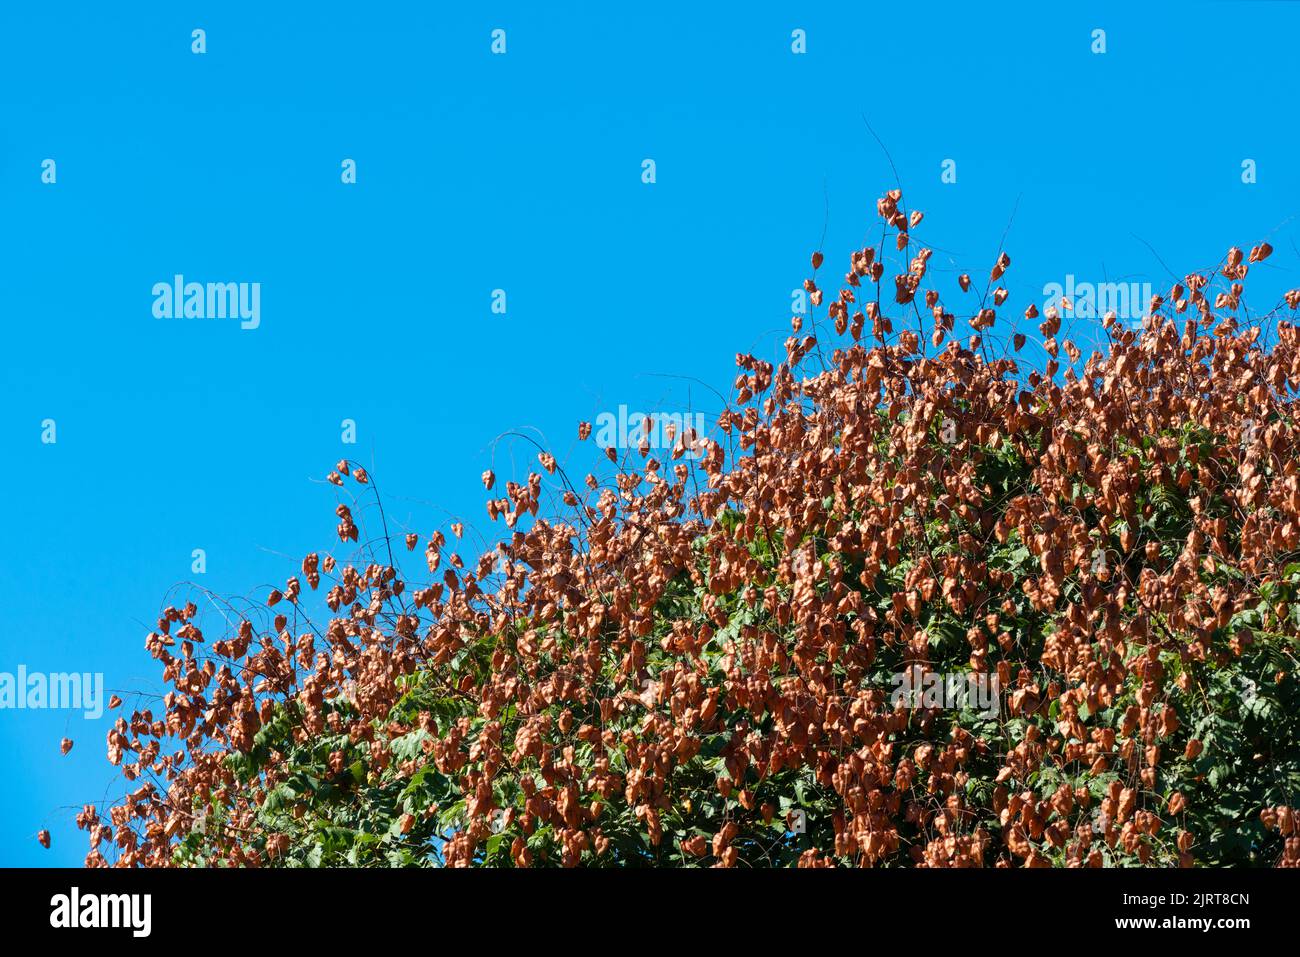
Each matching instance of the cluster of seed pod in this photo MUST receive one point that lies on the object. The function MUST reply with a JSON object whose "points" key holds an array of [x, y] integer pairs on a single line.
{"points": [[674, 649]]}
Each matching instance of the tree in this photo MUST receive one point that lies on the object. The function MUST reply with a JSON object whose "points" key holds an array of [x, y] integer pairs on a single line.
{"points": [[749, 649]]}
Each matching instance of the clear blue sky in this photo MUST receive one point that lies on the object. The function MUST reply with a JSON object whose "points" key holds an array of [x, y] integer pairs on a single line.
{"points": [[520, 172]]}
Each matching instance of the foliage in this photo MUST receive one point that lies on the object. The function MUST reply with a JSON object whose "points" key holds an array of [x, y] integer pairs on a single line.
{"points": [[691, 661]]}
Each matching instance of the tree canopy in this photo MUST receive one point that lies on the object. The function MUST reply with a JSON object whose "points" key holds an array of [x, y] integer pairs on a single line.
{"points": [[691, 657]]}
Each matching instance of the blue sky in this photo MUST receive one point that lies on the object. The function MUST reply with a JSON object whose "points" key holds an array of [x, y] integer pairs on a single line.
{"points": [[520, 172]]}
